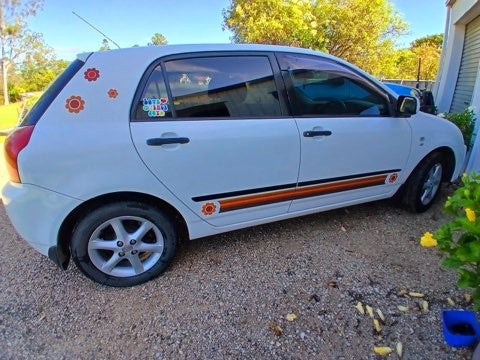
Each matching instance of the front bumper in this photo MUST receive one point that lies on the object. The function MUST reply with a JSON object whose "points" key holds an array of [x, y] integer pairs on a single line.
{"points": [[37, 213]]}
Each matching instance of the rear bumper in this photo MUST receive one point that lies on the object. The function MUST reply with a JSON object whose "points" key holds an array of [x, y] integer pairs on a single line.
{"points": [[37, 213]]}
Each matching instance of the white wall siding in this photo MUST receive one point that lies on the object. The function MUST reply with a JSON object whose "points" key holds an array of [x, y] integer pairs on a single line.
{"points": [[468, 72]]}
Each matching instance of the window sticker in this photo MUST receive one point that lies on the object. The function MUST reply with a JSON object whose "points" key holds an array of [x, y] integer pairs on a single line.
{"points": [[112, 93], [155, 107], [92, 74], [75, 104]]}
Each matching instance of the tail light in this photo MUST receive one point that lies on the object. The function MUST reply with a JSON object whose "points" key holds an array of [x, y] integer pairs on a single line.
{"points": [[14, 143]]}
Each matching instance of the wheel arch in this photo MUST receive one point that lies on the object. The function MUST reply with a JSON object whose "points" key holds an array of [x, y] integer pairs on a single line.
{"points": [[449, 162], [60, 254]]}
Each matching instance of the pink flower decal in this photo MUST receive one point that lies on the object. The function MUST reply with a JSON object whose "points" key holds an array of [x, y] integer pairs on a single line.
{"points": [[75, 104], [91, 74], [112, 93], [209, 208]]}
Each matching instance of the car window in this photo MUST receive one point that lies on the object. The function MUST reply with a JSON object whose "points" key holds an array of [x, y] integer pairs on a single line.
{"points": [[228, 86], [154, 102], [324, 88]]}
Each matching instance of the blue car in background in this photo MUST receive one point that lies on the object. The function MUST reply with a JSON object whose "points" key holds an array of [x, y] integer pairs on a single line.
{"points": [[427, 104]]}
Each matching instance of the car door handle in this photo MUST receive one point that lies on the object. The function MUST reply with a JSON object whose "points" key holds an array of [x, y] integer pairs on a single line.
{"points": [[167, 141], [313, 133]]}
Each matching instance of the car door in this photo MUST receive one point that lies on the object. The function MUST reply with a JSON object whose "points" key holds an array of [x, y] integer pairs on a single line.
{"points": [[214, 131], [352, 147]]}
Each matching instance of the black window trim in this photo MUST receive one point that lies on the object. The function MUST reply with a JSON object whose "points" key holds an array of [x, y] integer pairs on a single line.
{"points": [[378, 90], [277, 77]]}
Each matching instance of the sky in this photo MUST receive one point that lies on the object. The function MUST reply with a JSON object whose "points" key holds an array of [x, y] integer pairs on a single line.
{"points": [[133, 22]]}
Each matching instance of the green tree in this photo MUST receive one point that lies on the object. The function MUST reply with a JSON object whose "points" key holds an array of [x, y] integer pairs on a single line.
{"points": [[40, 66], [435, 41], [158, 39], [426, 50], [355, 30], [14, 41], [105, 45]]}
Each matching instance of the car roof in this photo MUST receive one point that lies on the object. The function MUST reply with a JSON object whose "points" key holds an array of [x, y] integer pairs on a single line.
{"points": [[163, 50]]}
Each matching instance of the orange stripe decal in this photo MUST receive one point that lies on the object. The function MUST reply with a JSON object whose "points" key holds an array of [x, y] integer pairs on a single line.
{"points": [[298, 193]]}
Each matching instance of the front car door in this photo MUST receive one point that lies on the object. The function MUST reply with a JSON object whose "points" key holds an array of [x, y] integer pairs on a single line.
{"points": [[213, 130], [352, 147]]}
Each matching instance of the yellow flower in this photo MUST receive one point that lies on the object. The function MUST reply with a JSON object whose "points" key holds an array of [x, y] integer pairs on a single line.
{"points": [[427, 240], [470, 215]]}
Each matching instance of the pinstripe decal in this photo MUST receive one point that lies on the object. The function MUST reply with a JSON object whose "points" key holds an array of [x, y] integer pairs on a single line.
{"points": [[249, 198]]}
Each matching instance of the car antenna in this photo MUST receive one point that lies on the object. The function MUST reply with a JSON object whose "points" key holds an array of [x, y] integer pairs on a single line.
{"points": [[106, 37]]}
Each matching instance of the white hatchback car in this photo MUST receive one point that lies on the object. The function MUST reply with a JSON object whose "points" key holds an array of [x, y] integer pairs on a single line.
{"points": [[130, 148]]}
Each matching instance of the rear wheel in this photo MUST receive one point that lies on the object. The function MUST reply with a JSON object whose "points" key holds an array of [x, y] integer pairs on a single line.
{"points": [[123, 244], [424, 183]]}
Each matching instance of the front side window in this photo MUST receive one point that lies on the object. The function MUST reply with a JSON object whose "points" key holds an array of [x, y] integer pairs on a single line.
{"points": [[228, 86], [323, 88]]}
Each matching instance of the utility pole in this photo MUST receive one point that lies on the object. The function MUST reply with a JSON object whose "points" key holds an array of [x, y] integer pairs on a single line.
{"points": [[418, 72], [3, 60]]}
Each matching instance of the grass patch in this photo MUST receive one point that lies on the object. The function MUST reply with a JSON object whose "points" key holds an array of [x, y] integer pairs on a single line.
{"points": [[9, 116]]}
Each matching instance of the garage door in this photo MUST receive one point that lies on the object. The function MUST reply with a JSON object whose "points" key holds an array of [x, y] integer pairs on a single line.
{"points": [[467, 75]]}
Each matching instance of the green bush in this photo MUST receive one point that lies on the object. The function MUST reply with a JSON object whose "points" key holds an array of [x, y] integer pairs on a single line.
{"points": [[15, 92], [459, 238], [465, 122]]}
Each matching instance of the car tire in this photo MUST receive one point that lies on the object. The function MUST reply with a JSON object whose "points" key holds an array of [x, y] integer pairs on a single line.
{"points": [[423, 185], [124, 243]]}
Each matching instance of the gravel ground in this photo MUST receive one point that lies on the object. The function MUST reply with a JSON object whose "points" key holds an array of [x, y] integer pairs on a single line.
{"points": [[227, 296]]}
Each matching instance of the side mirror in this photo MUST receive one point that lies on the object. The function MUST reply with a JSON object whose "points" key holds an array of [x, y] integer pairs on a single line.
{"points": [[406, 105]]}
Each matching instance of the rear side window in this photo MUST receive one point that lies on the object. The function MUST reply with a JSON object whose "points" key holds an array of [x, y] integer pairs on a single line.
{"points": [[42, 104], [228, 86], [320, 87]]}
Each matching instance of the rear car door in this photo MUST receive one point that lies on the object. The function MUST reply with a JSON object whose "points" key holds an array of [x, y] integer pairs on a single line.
{"points": [[352, 146], [213, 129]]}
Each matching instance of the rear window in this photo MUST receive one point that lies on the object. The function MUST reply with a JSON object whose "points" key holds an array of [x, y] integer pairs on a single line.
{"points": [[36, 112]]}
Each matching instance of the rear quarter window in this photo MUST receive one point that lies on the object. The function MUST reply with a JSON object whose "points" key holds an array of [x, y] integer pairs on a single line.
{"points": [[42, 104]]}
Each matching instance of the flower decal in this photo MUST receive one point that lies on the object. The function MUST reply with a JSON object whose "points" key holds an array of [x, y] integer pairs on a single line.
{"points": [[392, 178], [91, 74], [112, 93], [75, 104], [470, 215], [427, 240], [209, 208]]}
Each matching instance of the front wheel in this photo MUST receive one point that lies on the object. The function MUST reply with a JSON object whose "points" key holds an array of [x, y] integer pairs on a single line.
{"points": [[422, 187], [123, 244]]}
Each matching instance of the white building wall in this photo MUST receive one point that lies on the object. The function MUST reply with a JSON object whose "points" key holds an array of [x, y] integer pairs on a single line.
{"points": [[459, 13]]}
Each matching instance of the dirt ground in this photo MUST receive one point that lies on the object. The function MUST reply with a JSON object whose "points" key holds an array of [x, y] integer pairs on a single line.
{"points": [[227, 296]]}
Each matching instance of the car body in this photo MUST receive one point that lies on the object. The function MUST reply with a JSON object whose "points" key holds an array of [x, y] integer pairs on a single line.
{"points": [[205, 139]]}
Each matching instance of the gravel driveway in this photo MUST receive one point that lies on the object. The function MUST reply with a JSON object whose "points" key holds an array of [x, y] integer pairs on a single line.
{"points": [[227, 296]]}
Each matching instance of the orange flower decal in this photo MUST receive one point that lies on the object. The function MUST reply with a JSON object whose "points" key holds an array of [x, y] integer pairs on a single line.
{"points": [[75, 104], [91, 74], [392, 178], [209, 208], [112, 93]]}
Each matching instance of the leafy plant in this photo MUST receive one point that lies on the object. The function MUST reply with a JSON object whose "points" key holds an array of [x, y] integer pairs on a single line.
{"points": [[15, 92], [459, 238], [465, 122]]}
